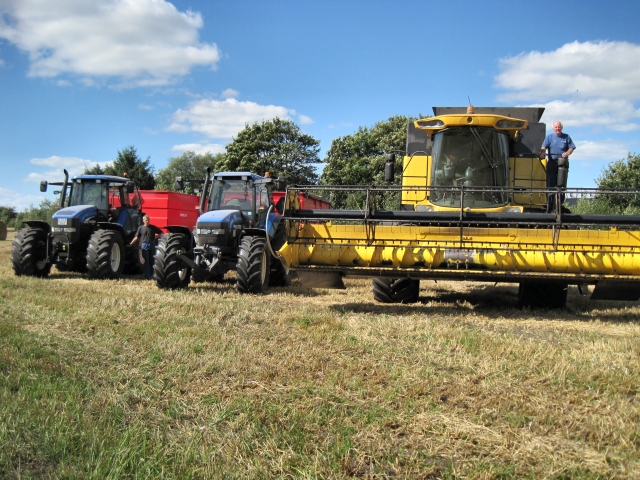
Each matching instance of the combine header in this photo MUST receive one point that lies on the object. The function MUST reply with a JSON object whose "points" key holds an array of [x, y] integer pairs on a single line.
{"points": [[472, 206]]}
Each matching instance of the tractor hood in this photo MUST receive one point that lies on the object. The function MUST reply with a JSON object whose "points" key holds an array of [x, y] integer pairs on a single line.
{"points": [[229, 217], [78, 212]]}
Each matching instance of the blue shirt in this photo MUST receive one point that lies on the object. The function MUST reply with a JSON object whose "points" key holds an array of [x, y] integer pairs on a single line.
{"points": [[558, 144]]}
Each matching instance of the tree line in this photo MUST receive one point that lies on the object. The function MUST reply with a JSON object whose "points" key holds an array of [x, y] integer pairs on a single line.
{"points": [[280, 147]]}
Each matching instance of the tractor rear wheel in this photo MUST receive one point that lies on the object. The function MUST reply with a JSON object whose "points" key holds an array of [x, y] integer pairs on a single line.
{"points": [[396, 290], [253, 265], [29, 253], [105, 254], [537, 295], [279, 277], [169, 271]]}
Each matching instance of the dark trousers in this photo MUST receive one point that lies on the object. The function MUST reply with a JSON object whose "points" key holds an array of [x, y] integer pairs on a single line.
{"points": [[148, 262], [552, 182]]}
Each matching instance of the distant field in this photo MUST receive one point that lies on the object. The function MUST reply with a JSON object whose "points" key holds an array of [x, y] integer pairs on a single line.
{"points": [[117, 379]]}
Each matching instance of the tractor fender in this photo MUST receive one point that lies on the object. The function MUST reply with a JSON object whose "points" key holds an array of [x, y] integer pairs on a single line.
{"points": [[184, 231], [111, 226], [39, 224], [254, 232]]}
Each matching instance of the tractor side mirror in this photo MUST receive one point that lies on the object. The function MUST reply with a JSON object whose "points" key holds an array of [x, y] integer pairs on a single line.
{"points": [[178, 184], [281, 183], [130, 187], [43, 186]]}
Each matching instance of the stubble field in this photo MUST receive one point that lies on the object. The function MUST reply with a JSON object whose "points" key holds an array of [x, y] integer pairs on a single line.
{"points": [[118, 379]]}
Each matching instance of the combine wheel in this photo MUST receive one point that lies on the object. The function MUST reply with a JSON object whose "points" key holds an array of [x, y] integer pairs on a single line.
{"points": [[168, 270], [539, 295], [279, 277], [252, 267], [29, 253], [394, 290], [105, 255]]}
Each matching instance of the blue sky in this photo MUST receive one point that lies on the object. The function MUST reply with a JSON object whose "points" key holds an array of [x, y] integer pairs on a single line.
{"points": [[82, 79]]}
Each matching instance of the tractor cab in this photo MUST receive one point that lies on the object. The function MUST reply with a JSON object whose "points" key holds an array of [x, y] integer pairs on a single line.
{"points": [[242, 191]]}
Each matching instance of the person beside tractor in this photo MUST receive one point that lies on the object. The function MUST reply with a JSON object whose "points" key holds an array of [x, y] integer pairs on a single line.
{"points": [[560, 147], [147, 235]]}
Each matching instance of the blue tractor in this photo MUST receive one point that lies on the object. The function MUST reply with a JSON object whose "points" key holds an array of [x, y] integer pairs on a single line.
{"points": [[238, 229], [99, 216]]}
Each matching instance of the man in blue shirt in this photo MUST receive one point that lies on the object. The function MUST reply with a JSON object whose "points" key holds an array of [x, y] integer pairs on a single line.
{"points": [[560, 146]]}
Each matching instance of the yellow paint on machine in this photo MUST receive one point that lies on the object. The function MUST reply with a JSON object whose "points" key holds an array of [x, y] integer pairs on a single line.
{"points": [[606, 252]]}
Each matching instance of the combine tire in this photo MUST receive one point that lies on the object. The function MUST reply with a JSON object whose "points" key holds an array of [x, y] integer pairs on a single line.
{"points": [[169, 271], [538, 295], [278, 277], [105, 254], [29, 253], [393, 290], [253, 265]]}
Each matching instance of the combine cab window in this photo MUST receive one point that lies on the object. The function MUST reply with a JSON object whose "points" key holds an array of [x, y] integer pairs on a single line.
{"points": [[470, 157], [232, 195]]}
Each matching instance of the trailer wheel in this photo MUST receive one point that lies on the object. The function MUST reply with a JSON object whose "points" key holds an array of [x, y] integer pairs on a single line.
{"points": [[538, 295], [29, 253], [253, 265], [132, 261], [394, 290], [169, 271], [279, 277], [105, 254]]}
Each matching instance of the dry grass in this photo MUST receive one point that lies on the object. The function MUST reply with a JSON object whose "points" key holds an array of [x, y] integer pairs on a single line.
{"points": [[120, 379]]}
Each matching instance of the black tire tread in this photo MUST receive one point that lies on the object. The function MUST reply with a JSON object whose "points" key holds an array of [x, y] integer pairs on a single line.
{"points": [[27, 251], [99, 254], [394, 290], [249, 265], [167, 266]]}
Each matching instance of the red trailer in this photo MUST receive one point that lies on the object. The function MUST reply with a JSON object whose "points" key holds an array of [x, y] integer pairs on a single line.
{"points": [[170, 208], [175, 208]]}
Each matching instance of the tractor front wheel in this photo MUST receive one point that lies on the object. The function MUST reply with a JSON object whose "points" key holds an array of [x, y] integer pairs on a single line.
{"points": [[105, 254], [394, 290], [169, 271], [29, 253], [253, 265]]}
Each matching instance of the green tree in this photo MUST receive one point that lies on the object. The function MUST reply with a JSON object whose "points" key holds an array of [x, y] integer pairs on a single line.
{"points": [[188, 165], [8, 214], [136, 169], [276, 146], [95, 170], [359, 159], [44, 211], [623, 174]]}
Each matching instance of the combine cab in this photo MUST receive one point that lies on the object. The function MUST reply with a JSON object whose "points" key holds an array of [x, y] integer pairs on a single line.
{"points": [[99, 216], [472, 206]]}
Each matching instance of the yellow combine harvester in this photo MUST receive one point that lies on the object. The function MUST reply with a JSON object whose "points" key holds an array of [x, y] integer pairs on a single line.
{"points": [[472, 206]]}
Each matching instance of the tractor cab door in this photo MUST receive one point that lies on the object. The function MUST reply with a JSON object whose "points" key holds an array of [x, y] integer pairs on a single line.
{"points": [[263, 201], [129, 215]]}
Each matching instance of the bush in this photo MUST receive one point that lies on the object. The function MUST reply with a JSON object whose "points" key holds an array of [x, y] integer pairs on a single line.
{"points": [[43, 212]]}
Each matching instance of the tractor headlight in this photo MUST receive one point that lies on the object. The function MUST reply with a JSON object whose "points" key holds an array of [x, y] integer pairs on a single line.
{"points": [[210, 231], [63, 229]]}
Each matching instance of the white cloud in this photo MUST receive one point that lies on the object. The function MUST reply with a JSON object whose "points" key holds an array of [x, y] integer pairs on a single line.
{"points": [[583, 70], [230, 93], [224, 119], [11, 198], [56, 164], [143, 42], [601, 150], [143, 106], [199, 148], [585, 84], [304, 120], [613, 114]]}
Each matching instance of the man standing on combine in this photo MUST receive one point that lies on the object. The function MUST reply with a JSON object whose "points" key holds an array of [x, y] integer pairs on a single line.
{"points": [[560, 147]]}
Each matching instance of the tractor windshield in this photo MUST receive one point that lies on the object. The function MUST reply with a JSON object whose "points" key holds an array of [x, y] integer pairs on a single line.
{"points": [[232, 195], [89, 193], [470, 157]]}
